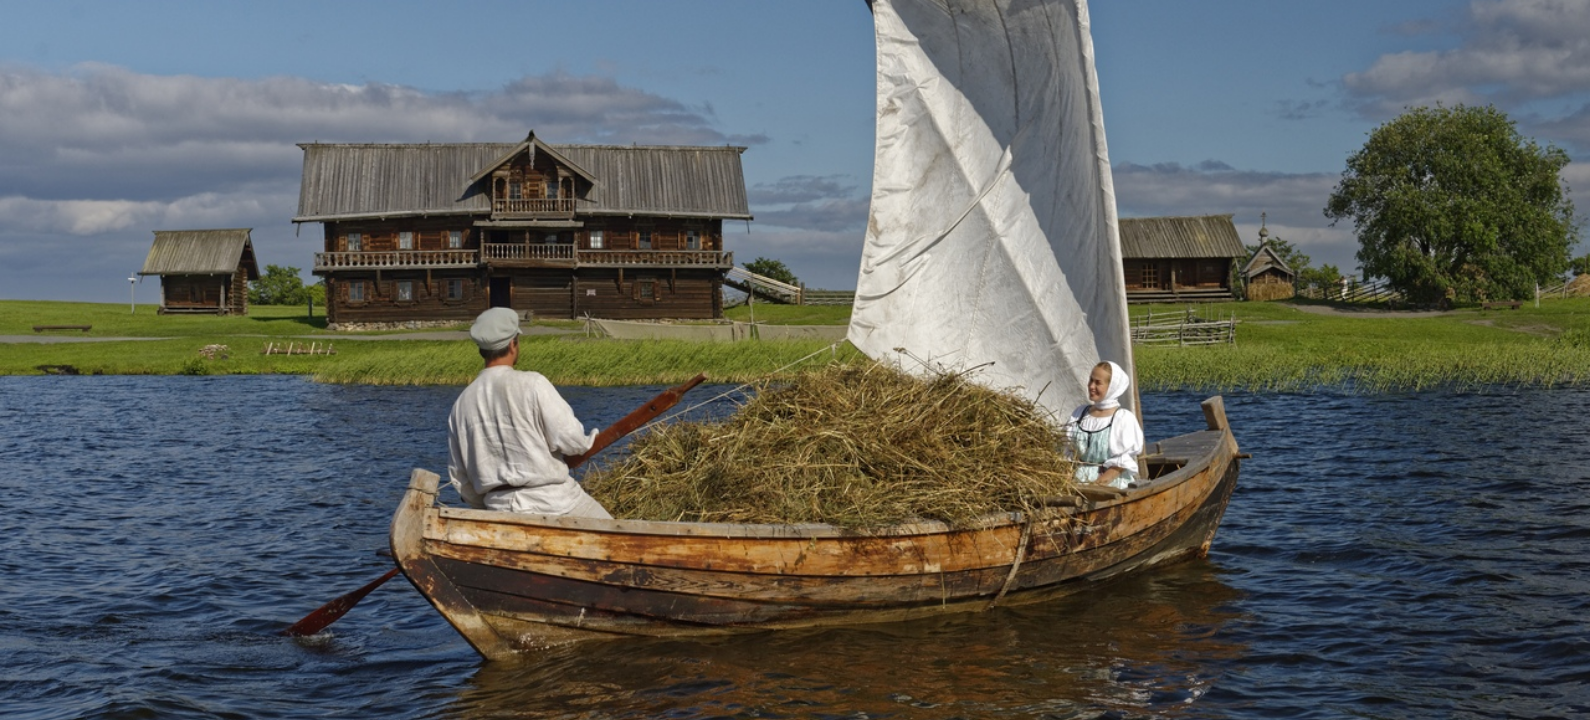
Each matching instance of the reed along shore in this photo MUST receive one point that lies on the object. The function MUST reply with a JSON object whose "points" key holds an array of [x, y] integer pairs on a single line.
{"points": [[1278, 347]]}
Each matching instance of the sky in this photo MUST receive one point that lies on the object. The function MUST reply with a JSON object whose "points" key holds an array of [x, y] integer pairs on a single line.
{"points": [[118, 119]]}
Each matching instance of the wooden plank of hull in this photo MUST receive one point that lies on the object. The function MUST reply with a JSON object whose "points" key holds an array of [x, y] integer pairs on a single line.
{"points": [[528, 581]]}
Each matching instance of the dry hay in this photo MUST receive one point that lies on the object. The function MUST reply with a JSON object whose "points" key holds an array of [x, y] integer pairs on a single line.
{"points": [[1579, 286], [1269, 291], [852, 445]]}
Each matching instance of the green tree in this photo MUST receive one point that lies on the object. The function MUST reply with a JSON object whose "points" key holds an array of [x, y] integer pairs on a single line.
{"points": [[1325, 276], [1580, 265], [282, 286], [767, 267], [1453, 202]]}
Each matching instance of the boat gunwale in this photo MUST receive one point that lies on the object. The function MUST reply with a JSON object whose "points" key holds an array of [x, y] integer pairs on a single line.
{"points": [[1093, 498]]}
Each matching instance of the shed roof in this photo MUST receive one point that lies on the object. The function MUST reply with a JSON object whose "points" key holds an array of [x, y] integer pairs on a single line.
{"points": [[1265, 259], [342, 182], [1203, 236], [201, 252]]}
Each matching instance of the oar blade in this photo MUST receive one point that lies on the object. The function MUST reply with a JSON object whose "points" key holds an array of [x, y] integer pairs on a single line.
{"points": [[332, 611]]}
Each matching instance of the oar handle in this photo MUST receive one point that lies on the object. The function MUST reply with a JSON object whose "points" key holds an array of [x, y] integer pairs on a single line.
{"points": [[629, 423]]}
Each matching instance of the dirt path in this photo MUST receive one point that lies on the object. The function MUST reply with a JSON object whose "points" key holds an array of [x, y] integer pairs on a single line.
{"points": [[1368, 311]]}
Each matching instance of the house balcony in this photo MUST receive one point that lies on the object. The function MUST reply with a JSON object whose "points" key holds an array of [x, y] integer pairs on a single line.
{"points": [[656, 258], [528, 254], [396, 260], [565, 255], [533, 209]]}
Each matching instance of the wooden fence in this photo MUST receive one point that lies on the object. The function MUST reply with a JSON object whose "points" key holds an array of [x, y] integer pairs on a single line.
{"points": [[1182, 329], [1373, 291]]}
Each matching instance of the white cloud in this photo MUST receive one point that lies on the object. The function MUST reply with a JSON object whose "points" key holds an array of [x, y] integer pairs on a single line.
{"points": [[105, 132], [93, 217], [1508, 51]]}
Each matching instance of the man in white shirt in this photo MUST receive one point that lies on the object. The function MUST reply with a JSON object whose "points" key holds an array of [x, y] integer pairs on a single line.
{"points": [[509, 432]]}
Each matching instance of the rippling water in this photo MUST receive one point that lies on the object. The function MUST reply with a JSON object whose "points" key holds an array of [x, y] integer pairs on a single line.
{"points": [[1399, 556]]}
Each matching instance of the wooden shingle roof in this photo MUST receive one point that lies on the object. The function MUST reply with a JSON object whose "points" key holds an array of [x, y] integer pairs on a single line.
{"points": [[201, 252], [1203, 236], [1265, 259], [343, 182]]}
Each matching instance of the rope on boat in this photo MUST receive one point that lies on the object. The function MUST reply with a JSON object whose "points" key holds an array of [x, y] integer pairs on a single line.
{"points": [[1015, 564], [831, 349]]}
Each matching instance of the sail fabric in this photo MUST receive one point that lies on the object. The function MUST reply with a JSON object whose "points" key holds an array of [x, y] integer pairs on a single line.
{"points": [[992, 240]]}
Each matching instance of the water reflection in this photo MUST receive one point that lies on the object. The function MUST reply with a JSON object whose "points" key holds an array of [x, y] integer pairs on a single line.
{"points": [[1141, 644]]}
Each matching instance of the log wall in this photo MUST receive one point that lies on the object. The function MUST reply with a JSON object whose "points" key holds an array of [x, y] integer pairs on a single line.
{"points": [[666, 233], [649, 294], [192, 293], [428, 300], [383, 235], [628, 294], [1159, 274]]}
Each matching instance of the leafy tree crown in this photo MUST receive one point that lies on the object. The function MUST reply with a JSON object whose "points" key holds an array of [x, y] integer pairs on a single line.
{"points": [[770, 268], [1454, 203]]}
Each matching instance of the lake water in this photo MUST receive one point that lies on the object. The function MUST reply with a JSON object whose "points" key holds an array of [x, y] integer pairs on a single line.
{"points": [[1409, 556]]}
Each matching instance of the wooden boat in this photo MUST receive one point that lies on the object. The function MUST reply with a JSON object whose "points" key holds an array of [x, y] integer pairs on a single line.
{"points": [[510, 582], [992, 244]]}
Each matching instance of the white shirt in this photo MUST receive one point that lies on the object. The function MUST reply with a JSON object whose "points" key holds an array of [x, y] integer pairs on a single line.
{"points": [[511, 428], [1126, 436]]}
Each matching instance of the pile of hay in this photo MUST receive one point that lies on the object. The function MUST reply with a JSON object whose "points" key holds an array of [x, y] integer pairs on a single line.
{"points": [[851, 445]]}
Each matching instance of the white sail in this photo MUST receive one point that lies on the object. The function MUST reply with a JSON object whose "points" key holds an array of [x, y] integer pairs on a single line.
{"points": [[992, 239]]}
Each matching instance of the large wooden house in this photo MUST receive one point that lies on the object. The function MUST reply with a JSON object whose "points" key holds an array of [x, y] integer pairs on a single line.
{"points": [[1179, 259], [434, 234], [203, 271]]}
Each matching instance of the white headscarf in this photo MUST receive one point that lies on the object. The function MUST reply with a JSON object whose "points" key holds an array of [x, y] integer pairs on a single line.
{"points": [[1118, 384]]}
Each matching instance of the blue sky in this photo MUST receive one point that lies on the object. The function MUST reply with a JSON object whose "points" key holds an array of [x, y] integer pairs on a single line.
{"points": [[118, 119]]}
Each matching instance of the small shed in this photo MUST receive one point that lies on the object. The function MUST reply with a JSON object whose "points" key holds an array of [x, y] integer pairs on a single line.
{"points": [[203, 271], [1180, 259], [1266, 276]]}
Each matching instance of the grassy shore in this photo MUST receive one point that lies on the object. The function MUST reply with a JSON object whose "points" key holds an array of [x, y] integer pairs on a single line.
{"points": [[172, 345], [1280, 347]]}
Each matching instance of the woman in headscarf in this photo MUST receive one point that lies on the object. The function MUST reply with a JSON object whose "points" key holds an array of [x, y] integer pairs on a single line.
{"points": [[1104, 435]]}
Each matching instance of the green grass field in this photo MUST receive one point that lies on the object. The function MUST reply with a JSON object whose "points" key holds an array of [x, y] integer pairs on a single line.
{"points": [[1279, 347]]}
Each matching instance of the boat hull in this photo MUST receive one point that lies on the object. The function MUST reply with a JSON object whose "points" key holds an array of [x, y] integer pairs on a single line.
{"points": [[511, 582]]}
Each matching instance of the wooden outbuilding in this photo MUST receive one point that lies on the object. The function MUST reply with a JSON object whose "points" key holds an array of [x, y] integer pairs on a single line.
{"points": [[435, 234], [1180, 259], [1267, 276], [203, 271]]}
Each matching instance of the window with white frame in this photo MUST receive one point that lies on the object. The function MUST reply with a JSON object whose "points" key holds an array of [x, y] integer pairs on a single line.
{"points": [[515, 190], [455, 289], [645, 240], [551, 239], [405, 291], [455, 239], [406, 240], [596, 240], [692, 239], [356, 291], [354, 241]]}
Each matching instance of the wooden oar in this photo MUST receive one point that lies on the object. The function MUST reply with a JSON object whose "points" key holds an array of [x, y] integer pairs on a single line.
{"points": [[330, 612], [327, 614], [629, 423]]}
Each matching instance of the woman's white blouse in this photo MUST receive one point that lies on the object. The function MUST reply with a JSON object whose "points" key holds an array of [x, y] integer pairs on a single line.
{"points": [[1126, 436]]}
